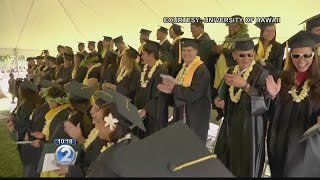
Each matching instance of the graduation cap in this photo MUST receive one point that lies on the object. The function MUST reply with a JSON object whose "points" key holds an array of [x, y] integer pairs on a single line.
{"points": [[177, 29], [312, 22], [81, 44], [60, 46], [163, 30], [30, 59], [46, 83], [262, 26], [92, 42], [243, 43], [39, 57], [132, 53], [303, 39], [78, 91], [151, 45], [118, 40], [187, 42], [145, 32], [68, 56], [45, 51], [315, 129], [107, 38], [29, 85], [123, 106], [172, 156], [111, 54]]}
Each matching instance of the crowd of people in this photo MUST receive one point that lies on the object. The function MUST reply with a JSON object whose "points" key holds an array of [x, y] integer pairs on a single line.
{"points": [[107, 99]]}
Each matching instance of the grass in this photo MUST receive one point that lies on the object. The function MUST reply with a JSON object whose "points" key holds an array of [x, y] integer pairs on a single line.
{"points": [[10, 163]]}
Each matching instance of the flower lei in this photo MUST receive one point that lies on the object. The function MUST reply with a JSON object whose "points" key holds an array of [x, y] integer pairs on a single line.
{"points": [[92, 136], [104, 148], [59, 100], [49, 117], [144, 81], [122, 73], [261, 56], [303, 94], [184, 71], [236, 97]]}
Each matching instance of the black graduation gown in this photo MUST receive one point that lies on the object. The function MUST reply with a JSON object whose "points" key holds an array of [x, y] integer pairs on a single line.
{"points": [[65, 74], [289, 122], [129, 84], [85, 53], [175, 67], [274, 61], [206, 54], [37, 124], [56, 129], [195, 101], [108, 75], [50, 74], [304, 160], [165, 46], [95, 73], [86, 158], [240, 144], [21, 126], [103, 166], [154, 102], [81, 74]]}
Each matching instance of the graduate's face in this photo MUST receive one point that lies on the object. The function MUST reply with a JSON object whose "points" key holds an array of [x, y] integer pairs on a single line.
{"points": [[171, 33], [91, 47], [269, 33], [196, 31], [142, 37], [188, 54], [302, 63], [105, 43], [244, 58], [233, 29], [147, 57], [95, 113], [159, 35], [316, 30]]}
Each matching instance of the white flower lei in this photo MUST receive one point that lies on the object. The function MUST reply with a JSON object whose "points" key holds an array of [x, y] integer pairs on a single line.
{"points": [[236, 97], [122, 73], [303, 94], [143, 81]]}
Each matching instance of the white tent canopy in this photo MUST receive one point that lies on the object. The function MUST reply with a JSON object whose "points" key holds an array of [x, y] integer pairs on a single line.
{"points": [[28, 26]]}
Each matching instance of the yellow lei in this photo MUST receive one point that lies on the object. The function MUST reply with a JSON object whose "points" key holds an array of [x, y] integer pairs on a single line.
{"points": [[262, 55], [92, 136], [236, 97], [104, 148], [185, 75], [303, 94], [143, 81], [85, 81], [49, 117], [122, 73]]}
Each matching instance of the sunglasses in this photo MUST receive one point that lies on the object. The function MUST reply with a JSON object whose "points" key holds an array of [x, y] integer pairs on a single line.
{"points": [[246, 55], [305, 56]]}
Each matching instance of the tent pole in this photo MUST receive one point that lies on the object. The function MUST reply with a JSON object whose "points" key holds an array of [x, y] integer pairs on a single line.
{"points": [[16, 60]]}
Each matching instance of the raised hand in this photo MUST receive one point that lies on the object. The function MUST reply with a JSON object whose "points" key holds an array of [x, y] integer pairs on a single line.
{"points": [[234, 80], [72, 130], [273, 88]]}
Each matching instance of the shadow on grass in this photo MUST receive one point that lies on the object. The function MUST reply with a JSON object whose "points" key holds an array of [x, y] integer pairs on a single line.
{"points": [[10, 163]]}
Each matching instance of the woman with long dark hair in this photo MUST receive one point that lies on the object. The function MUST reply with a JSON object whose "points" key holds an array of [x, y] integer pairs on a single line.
{"points": [[19, 122], [128, 75], [297, 101], [109, 69], [269, 52]]}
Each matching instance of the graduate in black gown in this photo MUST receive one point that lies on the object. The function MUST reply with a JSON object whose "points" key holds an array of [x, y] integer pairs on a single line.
{"points": [[269, 53], [313, 24], [165, 55], [152, 104], [296, 94], [114, 121], [51, 72], [191, 91], [79, 124], [128, 75], [19, 123], [109, 69], [121, 47], [243, 97], [65, 74], [175, 33]]}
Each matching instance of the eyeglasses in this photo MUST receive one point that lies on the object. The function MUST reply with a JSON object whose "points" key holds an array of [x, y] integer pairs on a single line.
{"points": [[305, 56], [246, 55]]}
